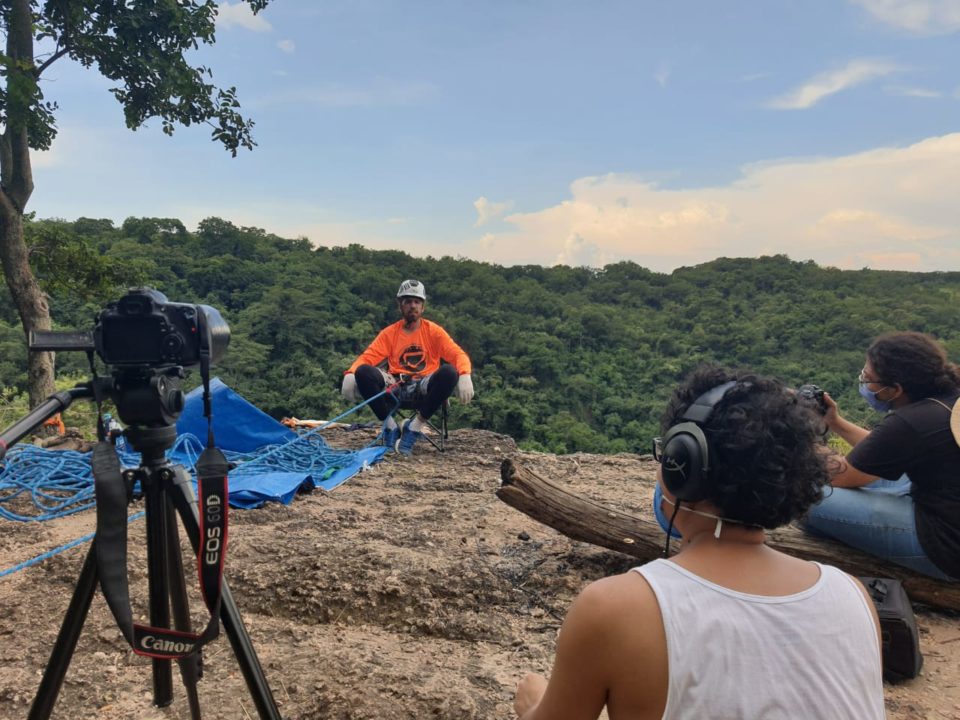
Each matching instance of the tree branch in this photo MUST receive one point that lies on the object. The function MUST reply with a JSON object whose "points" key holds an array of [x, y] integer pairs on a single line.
{"points": [[51, 60], [582, 519]]}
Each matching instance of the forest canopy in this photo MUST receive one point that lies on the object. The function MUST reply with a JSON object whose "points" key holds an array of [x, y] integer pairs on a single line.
{"points": [[565, 359]]}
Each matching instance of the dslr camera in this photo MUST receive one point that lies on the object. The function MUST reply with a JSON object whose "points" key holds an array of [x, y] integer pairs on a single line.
{"points": [[148, 342], [145, 330], [812, 395]]}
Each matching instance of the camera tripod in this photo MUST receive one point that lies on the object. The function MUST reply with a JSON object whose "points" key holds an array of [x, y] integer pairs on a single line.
{"points": [[167, 490]]}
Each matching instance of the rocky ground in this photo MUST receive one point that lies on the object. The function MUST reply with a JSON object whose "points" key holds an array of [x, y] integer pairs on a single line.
{"points": [[411, 591]]}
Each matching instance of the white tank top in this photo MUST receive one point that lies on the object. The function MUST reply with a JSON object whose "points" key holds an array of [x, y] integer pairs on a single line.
{"points": [[813, 655]]}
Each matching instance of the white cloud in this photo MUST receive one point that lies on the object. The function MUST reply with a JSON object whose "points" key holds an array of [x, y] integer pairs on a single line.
{"points": [[888, 208], [577, 252], [288, 46], [662, 74], [488, 210], [916, 92], [829, 83], [73, 147], [239, 14], [922, 17]]}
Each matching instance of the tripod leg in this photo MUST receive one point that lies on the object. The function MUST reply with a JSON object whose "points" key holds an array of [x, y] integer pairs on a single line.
{"points": [[158, 581], [190, 665], [186, 504], [67, 639]]}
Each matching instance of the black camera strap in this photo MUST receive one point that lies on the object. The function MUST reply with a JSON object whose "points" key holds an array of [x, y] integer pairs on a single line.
{"points": [[111, 540], [111, 546]]}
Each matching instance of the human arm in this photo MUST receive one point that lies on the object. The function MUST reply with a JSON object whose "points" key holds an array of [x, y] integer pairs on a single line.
{"points": [[577, 688], [839, 425], [375, 353], [449, 351], [843, 474], [611, 651], [894, 447]]}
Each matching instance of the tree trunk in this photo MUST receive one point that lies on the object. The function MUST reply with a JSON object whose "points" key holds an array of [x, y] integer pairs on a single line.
{"points": [[29, 299], [643, 538], [16, 173]]}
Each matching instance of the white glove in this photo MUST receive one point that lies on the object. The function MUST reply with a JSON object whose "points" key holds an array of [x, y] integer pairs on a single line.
{"points": [[349, 388], [465, 389]]}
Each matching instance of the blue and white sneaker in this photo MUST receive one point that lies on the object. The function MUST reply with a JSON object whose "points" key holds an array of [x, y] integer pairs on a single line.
{"points": [[391, 436], [408, 439]]}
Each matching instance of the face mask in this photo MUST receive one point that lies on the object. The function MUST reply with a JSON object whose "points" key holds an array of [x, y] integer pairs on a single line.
{"points": [[873, 401], [658, 513]]}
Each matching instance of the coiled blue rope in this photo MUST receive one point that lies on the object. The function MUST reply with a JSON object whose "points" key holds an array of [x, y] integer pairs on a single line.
{"points": [[49, 484], [38, 484]]}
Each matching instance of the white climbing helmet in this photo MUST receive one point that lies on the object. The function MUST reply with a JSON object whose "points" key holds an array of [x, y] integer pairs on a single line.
{"points": [[412, 288]]}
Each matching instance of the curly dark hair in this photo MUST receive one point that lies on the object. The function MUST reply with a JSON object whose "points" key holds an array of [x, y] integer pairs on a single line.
{"points": [[916, 362], [765, 465]]}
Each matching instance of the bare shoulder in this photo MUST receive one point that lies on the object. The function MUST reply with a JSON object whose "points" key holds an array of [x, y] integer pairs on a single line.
{"points": [[617, 602], [628, 587], [634, 646]]}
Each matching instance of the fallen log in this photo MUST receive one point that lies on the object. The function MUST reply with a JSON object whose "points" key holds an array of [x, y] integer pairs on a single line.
{"points": [[581, 519]]}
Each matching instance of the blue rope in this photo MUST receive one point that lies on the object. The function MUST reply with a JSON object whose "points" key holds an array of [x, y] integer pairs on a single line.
{"points": [[60, 483], [38, 484], [56, 551], [45, 483]]}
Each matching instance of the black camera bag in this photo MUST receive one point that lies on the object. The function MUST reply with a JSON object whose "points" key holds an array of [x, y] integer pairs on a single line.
{"points": [[898, 629]]}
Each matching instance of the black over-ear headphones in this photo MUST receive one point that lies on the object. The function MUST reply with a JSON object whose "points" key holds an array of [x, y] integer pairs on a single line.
{"points": [[685, 458]]}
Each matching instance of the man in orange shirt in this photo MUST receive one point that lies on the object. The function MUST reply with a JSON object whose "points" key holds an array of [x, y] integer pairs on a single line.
{"points": [[411, 349]]}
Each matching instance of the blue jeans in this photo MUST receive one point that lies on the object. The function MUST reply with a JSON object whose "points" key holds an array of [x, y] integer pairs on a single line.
{"points": [[877, 519]]}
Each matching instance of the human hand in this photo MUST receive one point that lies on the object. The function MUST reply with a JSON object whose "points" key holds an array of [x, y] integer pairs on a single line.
{"points": [[349, 388], [529, 692], [832, 413], [465, 389]]}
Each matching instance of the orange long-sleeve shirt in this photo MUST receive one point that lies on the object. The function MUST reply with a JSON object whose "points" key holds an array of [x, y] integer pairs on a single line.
{"points": [[418, 353]]}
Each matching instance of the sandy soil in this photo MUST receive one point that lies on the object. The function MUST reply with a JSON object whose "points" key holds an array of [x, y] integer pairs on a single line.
{"points": [[411, 591]]}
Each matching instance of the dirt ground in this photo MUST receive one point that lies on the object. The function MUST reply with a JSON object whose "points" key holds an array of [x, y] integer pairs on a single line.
{"points": [[410, 591]]}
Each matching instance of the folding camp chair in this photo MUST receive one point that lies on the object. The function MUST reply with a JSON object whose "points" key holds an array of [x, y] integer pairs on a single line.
{"points": [[407, 396], [437, 425]]}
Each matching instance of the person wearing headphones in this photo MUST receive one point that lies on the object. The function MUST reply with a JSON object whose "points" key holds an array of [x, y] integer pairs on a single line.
{"points": [[728, 627], [896, 494], [411, 349]]}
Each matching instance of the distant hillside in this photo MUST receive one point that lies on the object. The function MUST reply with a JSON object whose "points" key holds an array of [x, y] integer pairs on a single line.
{"points": [[567, 359]]}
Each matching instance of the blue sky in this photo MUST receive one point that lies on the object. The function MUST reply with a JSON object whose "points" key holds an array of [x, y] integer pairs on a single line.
{"points": [[536, 131]]}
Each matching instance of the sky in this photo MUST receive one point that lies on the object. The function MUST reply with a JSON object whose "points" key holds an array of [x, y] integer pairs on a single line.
{"points": [[554, 131]]}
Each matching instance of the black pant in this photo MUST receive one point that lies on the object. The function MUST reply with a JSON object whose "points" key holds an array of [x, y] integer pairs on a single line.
{"points": [[439, 386]]}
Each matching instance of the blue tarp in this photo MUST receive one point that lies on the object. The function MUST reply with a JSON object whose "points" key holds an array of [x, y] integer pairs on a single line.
{"points": [[240, 427], [272, 462], [237, 425]]}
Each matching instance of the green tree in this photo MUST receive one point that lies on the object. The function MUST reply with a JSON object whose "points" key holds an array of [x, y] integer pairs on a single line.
{"points": [[66, 262], [141, 46]]}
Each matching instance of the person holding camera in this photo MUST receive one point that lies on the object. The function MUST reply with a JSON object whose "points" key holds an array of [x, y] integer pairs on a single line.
{"points": [[728, 627], [411, 349], [897, 492]]}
